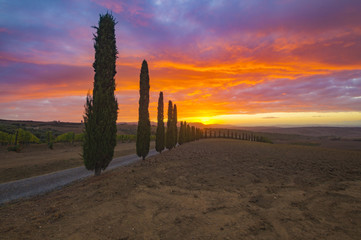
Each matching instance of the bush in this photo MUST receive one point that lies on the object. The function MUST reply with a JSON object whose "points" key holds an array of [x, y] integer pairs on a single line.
{"points": [[20, 136], [5, 138], [68, 137], [79, 137], [15, 148]]}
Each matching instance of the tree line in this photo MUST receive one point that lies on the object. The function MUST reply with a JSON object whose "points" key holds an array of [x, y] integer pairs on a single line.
{"points": [[235, 134]]}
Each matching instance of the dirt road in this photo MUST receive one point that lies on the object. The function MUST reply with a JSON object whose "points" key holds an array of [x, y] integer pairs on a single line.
{"points": [[41, 184]]}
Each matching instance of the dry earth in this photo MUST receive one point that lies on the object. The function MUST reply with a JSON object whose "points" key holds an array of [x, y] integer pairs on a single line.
{"points": [[38, 159], [210, 189]]}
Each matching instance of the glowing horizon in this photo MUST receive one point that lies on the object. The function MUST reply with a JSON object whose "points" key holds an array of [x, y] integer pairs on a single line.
{"points": [[222, 62]]}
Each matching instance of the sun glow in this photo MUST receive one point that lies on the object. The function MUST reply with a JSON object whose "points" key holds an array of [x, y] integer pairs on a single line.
{"points": [[283, 119], [204, 120]]}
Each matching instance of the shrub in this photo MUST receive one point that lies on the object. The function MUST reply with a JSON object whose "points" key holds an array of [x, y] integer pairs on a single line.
{"points": [[68, 137], [15, 148]]}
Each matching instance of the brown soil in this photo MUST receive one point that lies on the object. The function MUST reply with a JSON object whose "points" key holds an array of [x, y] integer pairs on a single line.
{"points": [[210, 189], [38, 159]]}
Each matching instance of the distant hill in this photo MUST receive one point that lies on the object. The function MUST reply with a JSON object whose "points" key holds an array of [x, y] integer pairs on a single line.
{"points": [[131, 128], [316, 131], [344, 132], [57, 127]]}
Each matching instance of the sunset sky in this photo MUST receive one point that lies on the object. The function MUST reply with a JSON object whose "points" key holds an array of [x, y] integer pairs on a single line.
{"points": [[239, 62]]}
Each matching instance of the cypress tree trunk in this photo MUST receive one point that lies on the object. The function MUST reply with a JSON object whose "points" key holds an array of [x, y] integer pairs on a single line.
{"points": [[169, 136], [159, 140], [175, 128], [101, 109], [143, 131]]}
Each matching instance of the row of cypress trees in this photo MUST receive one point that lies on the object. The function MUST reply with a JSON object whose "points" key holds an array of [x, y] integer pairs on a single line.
{"points": [[189, 133], [101, 108]]}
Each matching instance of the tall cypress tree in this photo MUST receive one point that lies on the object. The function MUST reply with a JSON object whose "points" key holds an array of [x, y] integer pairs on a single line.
{"points": [[159, 140], [143, 131], [175, 128], [188, 133], [181, 135], [193, 133], [170, 133], [101, 109]]}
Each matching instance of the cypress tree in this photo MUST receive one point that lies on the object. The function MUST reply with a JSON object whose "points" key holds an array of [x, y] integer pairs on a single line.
{"points": [[143, 131], [175, 128], [101, 109], [159, 140], [193, 133], [181, 134], [185, 134], [170, 133], [188, 133]]}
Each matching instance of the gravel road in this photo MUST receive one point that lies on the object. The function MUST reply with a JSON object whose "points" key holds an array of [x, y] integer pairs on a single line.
{"points": [[41, 184]]}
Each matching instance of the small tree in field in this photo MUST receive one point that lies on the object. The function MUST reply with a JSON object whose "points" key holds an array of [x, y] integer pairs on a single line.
{"points": [[143, 131], [159, 140], [49, 139], [101, 109]]}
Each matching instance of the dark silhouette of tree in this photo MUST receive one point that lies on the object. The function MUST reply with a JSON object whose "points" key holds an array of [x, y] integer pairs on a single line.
{"points": [[170, 133], [188, 133], [101, 109], [49, 139], [143, 131], [193, 133], [160, 138], [181, 139], [175, 128]]}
